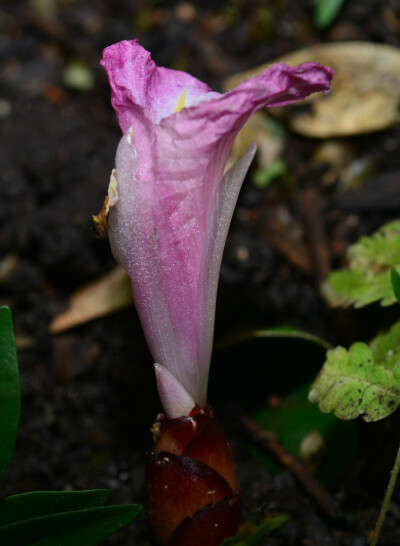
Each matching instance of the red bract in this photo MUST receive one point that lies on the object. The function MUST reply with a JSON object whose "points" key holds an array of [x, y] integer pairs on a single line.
{"points": [[191, 481]]}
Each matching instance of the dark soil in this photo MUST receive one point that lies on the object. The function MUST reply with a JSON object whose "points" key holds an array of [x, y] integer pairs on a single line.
{"points": [[88, 395]]}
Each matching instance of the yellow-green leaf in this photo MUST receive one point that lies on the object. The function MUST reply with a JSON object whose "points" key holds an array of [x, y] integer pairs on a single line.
{"points": [[368, 277], [356, 382]]}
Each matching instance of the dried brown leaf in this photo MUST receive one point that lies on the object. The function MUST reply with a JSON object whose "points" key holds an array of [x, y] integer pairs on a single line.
{"points": [[105, 295], [365, 89]]}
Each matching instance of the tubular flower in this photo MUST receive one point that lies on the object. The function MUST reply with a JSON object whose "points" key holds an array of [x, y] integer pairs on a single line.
{"points": [[169, 224]]}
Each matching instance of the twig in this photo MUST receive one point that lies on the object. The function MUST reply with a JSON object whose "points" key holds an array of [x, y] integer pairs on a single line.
{"points": [[386, 500], [268, 442], [280, 237], [313, 225]]}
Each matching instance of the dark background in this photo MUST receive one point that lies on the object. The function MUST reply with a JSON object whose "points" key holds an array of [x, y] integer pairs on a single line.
{"points": [[88, 394]]}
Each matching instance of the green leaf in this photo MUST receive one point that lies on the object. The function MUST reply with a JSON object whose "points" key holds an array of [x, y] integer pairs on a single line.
{"points": [[294, 419], [326, 11], [276, 168], [385, 348], [285, 332], [258, 535], [78, 75], [355, 287], [368, 278], [314, 437], [395, 278], [261, 349], [43, 503], [82, 527], [358, 382], [9, 389]]}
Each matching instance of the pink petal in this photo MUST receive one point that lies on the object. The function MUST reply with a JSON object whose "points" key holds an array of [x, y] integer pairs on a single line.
{"points": [[175, 399], [169, 227], [276, 86], [174, 286], [138, 84]]}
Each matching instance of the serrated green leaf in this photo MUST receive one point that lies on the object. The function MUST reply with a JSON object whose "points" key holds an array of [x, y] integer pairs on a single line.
{"points": [[326, 11], [352, 384], [259, 534], [380, 249], [83, 527], [42, 503], [354, 287], [368, 278], [385, 348], [395, 278], [9, 389]]}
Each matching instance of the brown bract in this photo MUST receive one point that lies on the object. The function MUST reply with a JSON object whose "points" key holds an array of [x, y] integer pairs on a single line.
{"points": [[100, 219], [192, 489]]}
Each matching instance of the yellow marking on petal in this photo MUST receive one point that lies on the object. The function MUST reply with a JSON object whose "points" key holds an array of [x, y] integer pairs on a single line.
{"points": [[181, 102]]}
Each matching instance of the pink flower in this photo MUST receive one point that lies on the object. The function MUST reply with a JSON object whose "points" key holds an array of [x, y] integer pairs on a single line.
{"points": [[169, 226]]}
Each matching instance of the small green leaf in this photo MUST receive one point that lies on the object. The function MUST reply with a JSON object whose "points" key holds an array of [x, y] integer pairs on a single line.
{"points": [[285, 332], [276, 168], [386, 349], [255, 347], [368, 278], [78, 75], [352, 384], [355, 287], [259, 534], [326, 11], [9, 389], [395, 278], [294, 419], [83, 527], [43, 503]]}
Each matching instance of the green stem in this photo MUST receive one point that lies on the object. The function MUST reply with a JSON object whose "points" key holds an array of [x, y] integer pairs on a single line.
{"points": [[386, 500]]}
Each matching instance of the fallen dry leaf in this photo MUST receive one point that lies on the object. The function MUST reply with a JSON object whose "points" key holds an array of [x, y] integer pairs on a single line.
{"points": [[365, 90], [105, 295]]}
